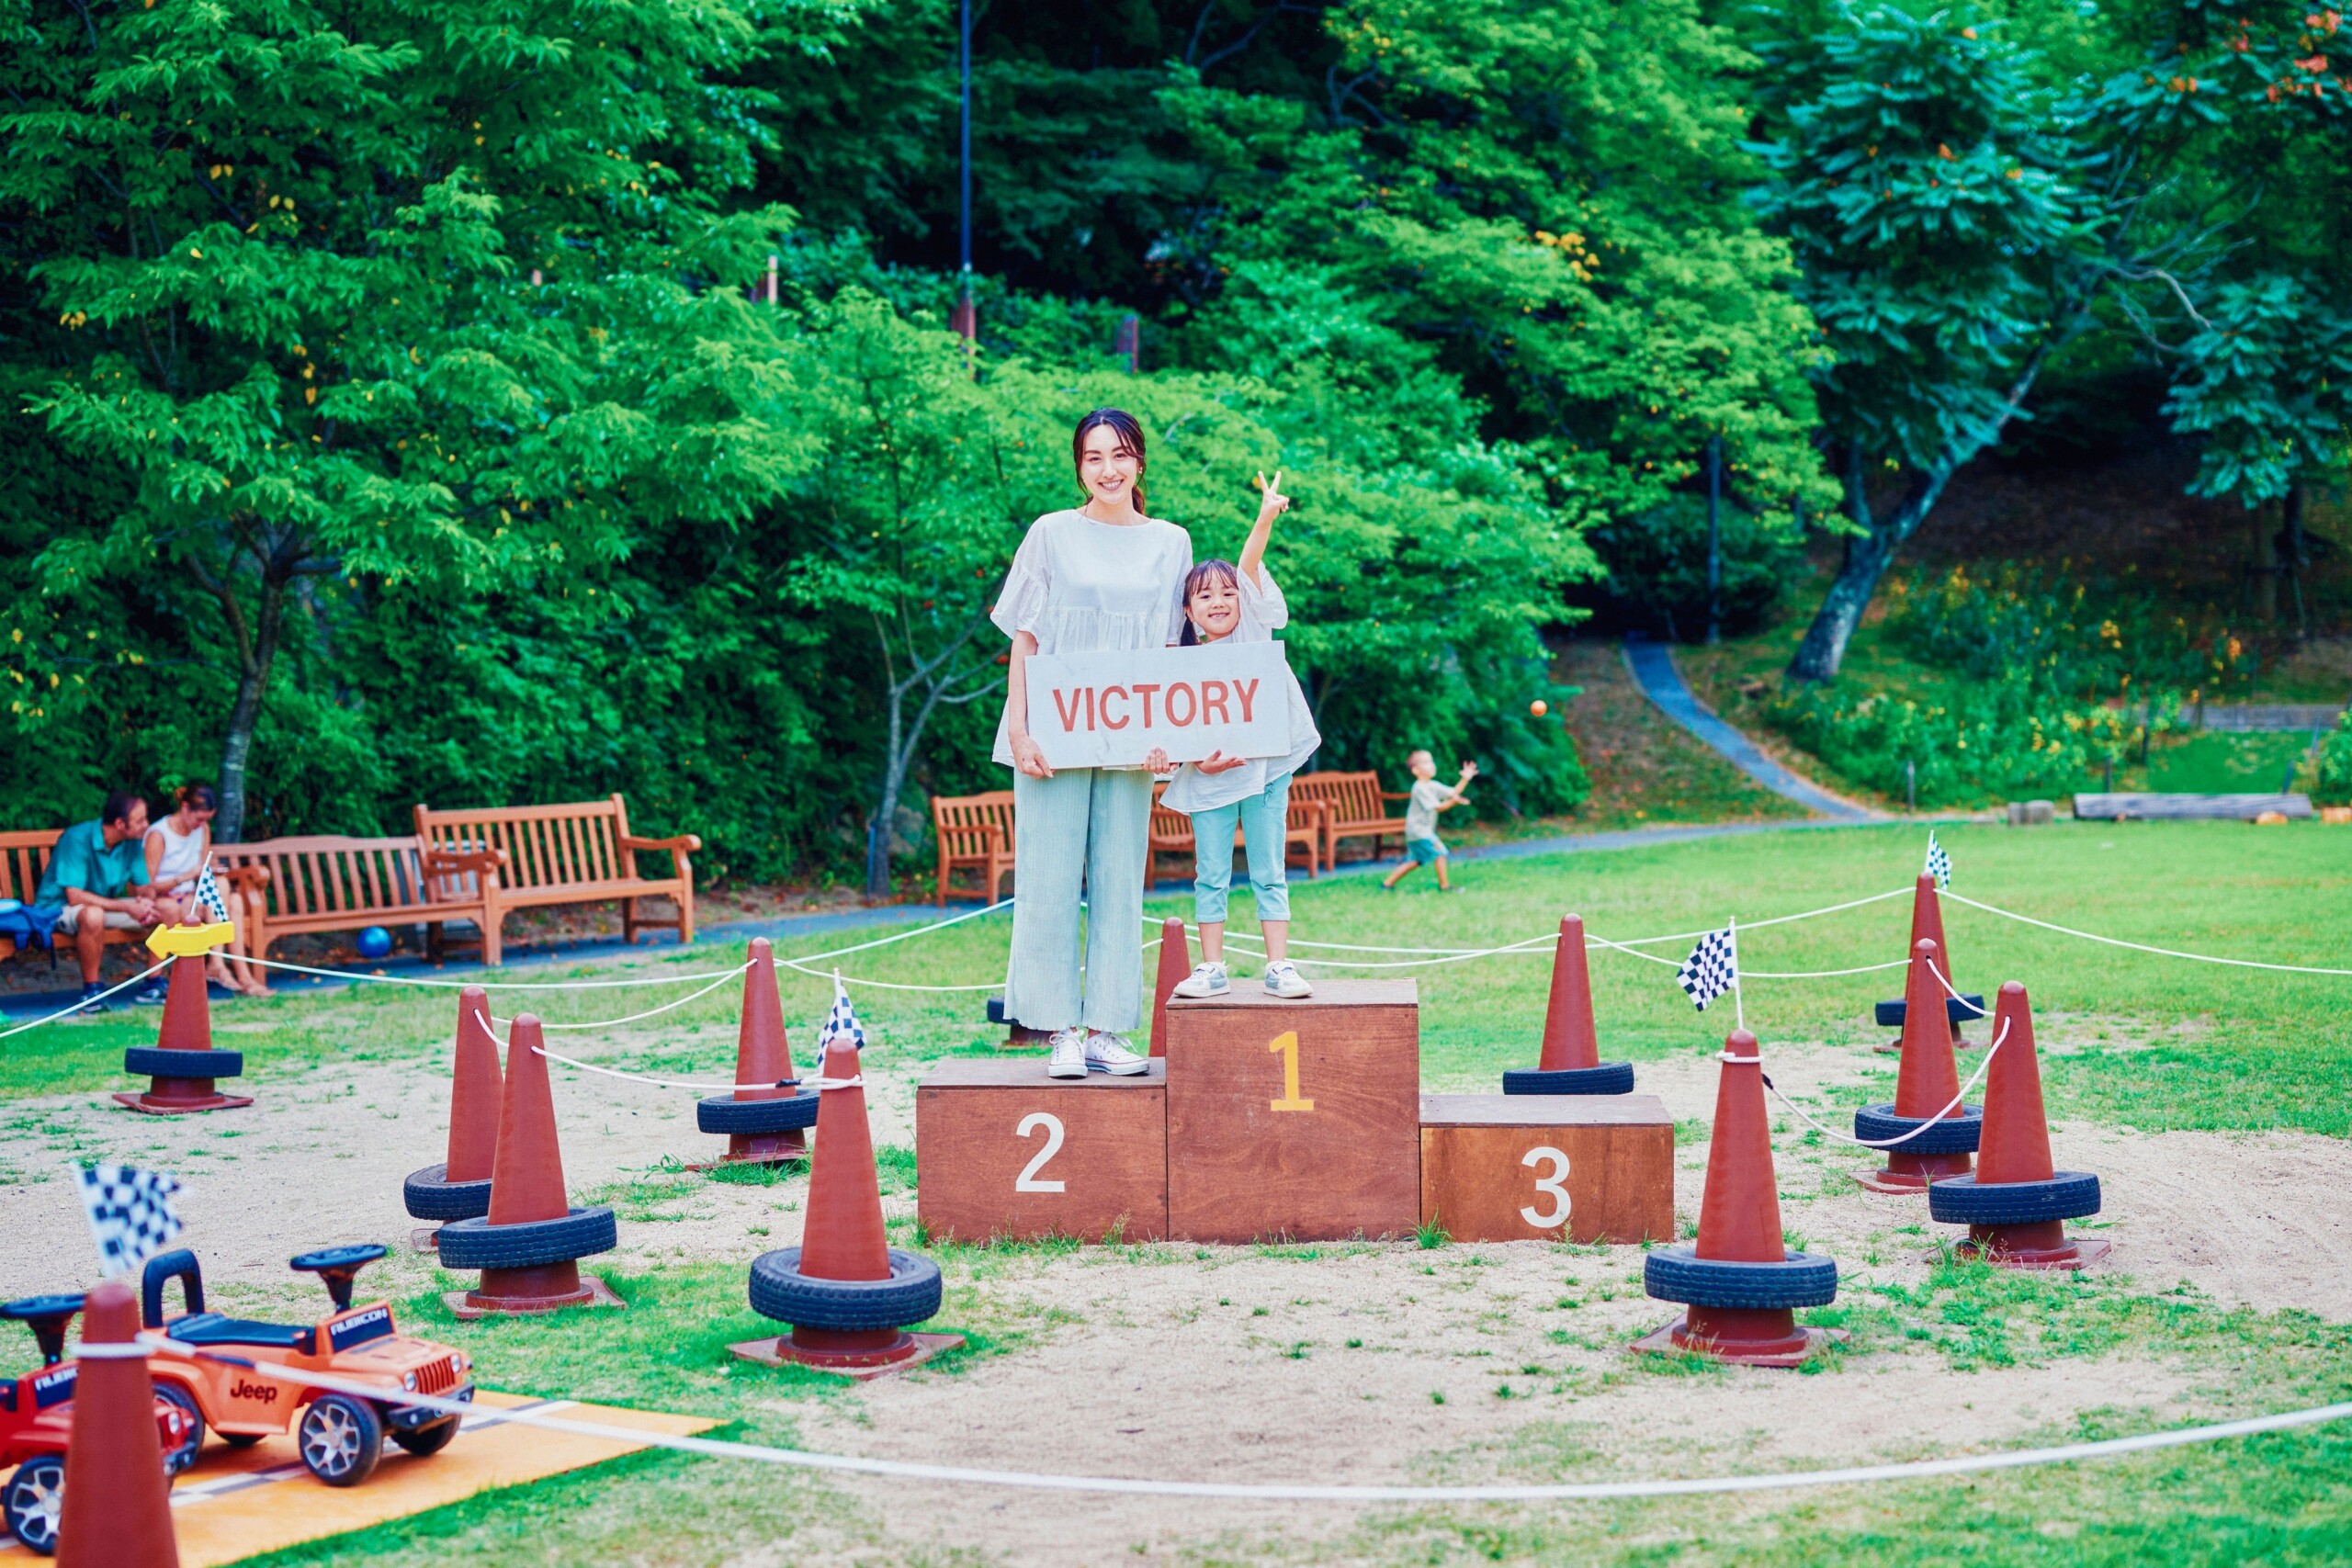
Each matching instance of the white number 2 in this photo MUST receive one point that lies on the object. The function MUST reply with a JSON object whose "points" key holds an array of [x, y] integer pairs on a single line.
{"points": [[1551, 1184], [1027, 1180]]}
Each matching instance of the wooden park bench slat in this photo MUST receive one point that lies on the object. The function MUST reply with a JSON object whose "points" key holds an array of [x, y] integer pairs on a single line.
{"points": [[2171, 807], [975, 833], [1355, 807], [574, 852], [24, 859], [331, 882]]}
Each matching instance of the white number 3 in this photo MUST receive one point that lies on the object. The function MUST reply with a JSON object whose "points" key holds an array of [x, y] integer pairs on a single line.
{"points": [[1551, 1184], [1027, 1180]]}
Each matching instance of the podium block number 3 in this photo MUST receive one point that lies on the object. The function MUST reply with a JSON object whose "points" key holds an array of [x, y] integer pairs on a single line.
{"points": [[1551, 1186], [1051, 1126], [1286, 1042]]}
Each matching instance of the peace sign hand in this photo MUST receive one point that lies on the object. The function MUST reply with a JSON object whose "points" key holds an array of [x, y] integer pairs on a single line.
{"points": [[1274, 501]]}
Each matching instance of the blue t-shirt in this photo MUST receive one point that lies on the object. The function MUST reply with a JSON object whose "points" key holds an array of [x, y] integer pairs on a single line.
{"points": [[82, 860]]}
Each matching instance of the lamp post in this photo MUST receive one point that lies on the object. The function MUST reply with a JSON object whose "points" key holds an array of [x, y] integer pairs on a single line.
{"points": [[966, 320]]}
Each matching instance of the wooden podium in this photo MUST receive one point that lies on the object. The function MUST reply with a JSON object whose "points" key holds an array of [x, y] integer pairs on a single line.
{"points": [[1002, 1150], [1296, 1119], [1271, 1119], [1547, 1168]]}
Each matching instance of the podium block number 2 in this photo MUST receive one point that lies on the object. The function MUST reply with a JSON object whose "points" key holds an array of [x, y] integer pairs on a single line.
{"points": [[1551, 1186], [1286, 1042], [1051, 1126]]}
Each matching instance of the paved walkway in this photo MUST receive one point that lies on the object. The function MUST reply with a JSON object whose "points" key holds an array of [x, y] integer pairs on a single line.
{"points": [[1653, 671]]}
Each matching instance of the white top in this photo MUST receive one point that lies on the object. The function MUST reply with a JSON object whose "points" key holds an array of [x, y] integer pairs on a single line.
{"points": [[1262, 615], [181, 855], [1080, 586]]}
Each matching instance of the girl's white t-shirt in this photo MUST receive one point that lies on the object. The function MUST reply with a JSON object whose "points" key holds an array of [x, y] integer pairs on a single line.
{"points": [[1263, 613], [1080, 586]]}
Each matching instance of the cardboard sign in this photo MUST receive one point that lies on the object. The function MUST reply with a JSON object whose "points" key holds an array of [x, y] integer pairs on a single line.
{"points": [[1106, 710]]}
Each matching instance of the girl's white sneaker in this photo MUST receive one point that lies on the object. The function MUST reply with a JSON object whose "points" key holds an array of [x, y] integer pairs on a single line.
{"points": [[1283, 979], [1068, 1060], [1108, 1053], [1207, 979]]}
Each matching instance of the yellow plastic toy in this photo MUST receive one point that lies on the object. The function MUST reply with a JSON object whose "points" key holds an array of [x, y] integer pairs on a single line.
{"points": [[183, 942]]}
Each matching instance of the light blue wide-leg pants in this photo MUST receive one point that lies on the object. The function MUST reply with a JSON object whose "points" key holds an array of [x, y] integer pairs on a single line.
{"points": [[1264, 822], [1085, 831]]}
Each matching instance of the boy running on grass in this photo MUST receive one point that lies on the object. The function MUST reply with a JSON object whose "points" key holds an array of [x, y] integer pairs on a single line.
{"points": [[1429, 797]]}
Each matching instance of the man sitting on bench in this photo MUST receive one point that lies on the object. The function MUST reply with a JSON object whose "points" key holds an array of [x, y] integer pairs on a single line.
{"points": [[90, 885]]}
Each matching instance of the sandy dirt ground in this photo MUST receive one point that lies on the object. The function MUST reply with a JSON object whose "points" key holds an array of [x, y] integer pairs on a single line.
{"points": [[1364, 1363]]}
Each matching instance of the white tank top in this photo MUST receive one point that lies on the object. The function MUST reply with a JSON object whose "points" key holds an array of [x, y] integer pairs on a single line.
{"points": [[182, 854]]}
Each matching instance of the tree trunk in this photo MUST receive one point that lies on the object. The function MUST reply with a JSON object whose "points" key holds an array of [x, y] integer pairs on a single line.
{"points": [[2262, 566], [244, 716], [1868, 555]]}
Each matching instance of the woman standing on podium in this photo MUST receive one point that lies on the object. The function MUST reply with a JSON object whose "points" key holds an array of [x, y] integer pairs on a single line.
{"points": [[1103, 578]]}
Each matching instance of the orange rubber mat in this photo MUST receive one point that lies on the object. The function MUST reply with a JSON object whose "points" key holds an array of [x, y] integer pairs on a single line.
{"points": [[233, 1505]]}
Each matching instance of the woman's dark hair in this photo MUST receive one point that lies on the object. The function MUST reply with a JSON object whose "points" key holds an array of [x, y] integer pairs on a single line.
{"points": [[1207, 572], [1123, 425], [196, 797]]}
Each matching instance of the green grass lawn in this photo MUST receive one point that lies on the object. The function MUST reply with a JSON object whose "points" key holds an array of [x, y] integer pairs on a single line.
{"points": [[2159, 1044]]}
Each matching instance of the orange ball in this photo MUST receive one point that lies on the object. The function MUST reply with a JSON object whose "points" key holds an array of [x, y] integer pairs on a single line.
{"points": [[1539, 708]]}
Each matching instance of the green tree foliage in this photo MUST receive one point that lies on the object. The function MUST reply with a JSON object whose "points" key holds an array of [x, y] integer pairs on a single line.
{"points": [[1963, 213]]}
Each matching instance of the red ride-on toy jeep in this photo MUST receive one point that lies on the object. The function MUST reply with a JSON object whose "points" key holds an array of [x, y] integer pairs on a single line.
{"points": [[37, 1423], [231, 1376]]}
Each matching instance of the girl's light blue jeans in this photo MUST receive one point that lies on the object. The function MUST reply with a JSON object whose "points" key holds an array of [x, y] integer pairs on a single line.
{"points": [[1264, 820], [1081, 833]]}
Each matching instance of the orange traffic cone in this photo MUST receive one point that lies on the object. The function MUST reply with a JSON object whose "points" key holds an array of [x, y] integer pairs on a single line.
{"points": [[1740, 1281], [528, 1245], [2017, 1204], [847, 1292], [1927, 921], [767, 1118], [1175, 965], [117, 1507], [458, 1188], [1570, 1062], [181, 1065], [1927, 1083]]}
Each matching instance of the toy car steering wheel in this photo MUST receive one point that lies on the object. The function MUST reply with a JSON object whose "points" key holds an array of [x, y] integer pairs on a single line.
{"points": [[47, 1317], [337, 1267]]}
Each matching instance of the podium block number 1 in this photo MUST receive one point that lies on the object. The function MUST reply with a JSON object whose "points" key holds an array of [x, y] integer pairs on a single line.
{"points": [[1286, 1042], [1051, 1126], [1551, 1186]]}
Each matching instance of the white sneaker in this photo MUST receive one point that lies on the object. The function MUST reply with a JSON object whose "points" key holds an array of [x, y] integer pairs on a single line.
{"points": [[1068, 1060], [1207, 979], [1283, 979], [1108, 1053]]}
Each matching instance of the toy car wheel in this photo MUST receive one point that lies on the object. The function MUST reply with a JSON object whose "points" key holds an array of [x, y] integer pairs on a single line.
{"points": [[156, 1062], [780, 1290], [341, 1438], [1609, 1078], [180, 1457], [35, 1501], [478, 1243], [725, 1113], [424, 1440], [1679, 1274], [1965, 1200]]}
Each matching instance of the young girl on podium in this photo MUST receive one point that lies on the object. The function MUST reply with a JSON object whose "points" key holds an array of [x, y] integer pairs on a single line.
{"points": [[1220, 793]]}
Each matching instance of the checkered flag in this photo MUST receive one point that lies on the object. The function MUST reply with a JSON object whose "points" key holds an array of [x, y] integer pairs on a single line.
{"points": [[1939, 863], [841, 1024], [1711, 969], [130, 1213], [208, 896]]}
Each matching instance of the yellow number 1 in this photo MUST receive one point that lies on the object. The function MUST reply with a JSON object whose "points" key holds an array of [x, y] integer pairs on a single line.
{"points": [[1287, 1043]]}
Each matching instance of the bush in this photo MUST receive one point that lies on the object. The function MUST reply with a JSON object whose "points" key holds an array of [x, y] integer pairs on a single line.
{"points": [[2334, 787]]}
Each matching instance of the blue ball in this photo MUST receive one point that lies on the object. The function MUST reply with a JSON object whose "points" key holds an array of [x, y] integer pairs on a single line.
{"points": [[375, 942]]}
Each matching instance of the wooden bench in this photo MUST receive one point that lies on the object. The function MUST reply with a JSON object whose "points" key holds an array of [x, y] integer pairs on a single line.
{"points": [[24, 859], [1171, 833], [975, 833], [1355, 807], [328, 883], [2121, 807], [578, 853]]}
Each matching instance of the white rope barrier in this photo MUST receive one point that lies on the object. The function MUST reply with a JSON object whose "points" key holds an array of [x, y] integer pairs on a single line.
{"points": [[84, 1002], [819, 1083], [491, 985], [649, 1012], [1516, 1491], [2142, 947], [1957, 1101]]}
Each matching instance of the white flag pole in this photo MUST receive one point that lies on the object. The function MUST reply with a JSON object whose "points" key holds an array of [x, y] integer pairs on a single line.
{"points": [[1738, 996]]}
